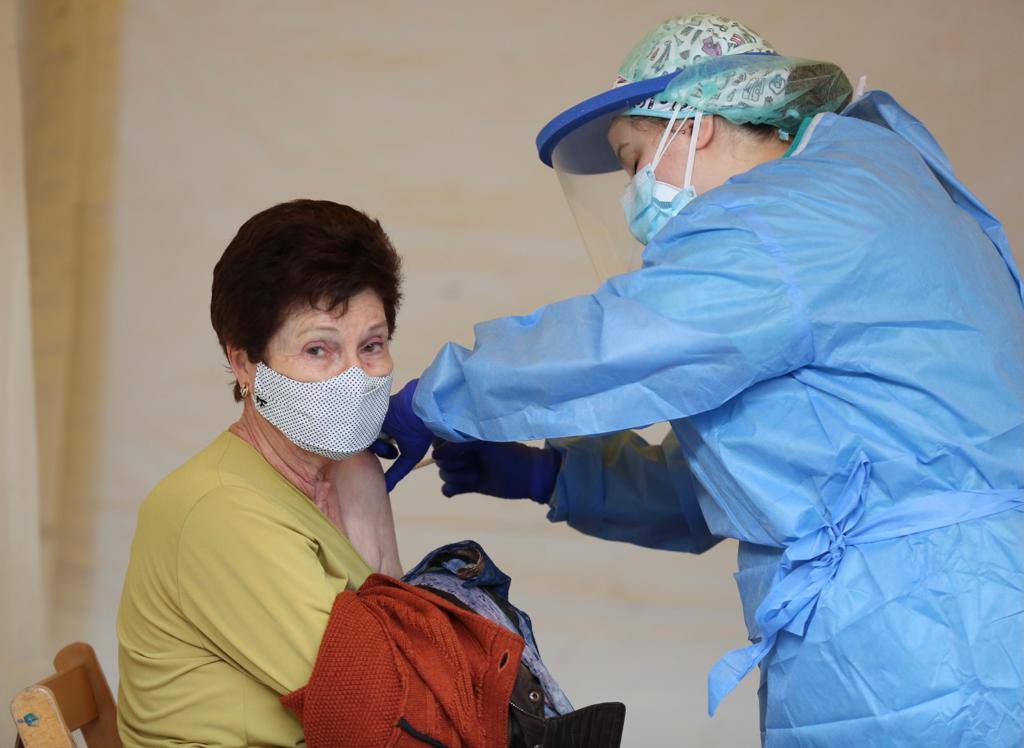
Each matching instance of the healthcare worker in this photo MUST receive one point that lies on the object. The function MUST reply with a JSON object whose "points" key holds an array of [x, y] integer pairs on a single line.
{"points": [[834, 327]]}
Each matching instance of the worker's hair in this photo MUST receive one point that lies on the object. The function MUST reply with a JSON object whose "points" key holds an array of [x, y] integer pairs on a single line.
{"points": [[305, 253]]}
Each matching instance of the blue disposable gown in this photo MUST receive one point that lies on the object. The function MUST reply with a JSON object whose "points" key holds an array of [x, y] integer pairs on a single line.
{"points": [[842, 327]]}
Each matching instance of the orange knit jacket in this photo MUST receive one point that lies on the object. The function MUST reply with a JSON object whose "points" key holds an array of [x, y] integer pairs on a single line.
{"points": [[401, 667]]}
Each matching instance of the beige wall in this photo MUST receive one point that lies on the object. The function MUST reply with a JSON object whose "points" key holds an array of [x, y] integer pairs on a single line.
{"points": [[154, 128]]}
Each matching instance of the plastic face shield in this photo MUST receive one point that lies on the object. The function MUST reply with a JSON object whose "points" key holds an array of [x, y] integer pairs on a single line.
{"points": [[594, 201], [575, 144]]}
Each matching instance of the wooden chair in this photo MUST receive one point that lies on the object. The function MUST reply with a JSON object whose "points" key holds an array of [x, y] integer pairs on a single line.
{"points": [[76, 697]]}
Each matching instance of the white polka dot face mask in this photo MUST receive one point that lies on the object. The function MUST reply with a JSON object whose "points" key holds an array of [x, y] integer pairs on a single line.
{"points": [[336, 418]]}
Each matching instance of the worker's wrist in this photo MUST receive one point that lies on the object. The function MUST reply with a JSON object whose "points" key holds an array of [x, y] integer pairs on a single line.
{"points": [[544, 475]]}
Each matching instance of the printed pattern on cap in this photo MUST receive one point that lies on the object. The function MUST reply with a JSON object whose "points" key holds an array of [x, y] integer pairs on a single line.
{"points": [[680, 42]]}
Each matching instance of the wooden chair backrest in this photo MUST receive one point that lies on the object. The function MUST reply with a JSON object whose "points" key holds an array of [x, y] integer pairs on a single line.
{"points": [[76, 697]]}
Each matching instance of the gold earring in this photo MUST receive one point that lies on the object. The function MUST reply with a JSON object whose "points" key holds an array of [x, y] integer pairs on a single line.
{"points": [[244, 391]]}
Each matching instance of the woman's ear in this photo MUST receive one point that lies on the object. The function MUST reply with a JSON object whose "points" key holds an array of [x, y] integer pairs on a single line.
{"points": [[708, 130], [243, 369]]}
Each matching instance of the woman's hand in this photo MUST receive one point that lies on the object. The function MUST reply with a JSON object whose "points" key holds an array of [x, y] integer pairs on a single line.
{"points": [[364, 508]]}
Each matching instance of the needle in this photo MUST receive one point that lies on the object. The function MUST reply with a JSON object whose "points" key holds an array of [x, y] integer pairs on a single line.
{"points": [[424, 462], [421, 464]]}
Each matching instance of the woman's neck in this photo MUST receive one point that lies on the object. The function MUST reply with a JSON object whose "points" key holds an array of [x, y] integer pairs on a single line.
{"points": [[306, 471]]}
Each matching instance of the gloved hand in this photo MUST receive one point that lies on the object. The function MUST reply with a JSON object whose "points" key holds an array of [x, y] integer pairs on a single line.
{"points": [[408, 431], [506, 469]]}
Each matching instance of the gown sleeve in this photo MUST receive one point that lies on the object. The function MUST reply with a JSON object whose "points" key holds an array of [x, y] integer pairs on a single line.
{"points": [[619, 487], [711, 313]]}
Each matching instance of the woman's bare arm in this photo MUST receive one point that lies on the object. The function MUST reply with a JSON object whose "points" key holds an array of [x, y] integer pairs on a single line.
{"points": [[365, 510]]}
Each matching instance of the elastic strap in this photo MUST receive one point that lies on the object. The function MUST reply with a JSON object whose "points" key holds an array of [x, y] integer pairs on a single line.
{"points": [[666, 139], [862, 84], [694, 133]]}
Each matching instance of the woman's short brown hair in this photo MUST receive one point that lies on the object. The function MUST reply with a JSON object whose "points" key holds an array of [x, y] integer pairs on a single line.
{"points": [[302, 253]]}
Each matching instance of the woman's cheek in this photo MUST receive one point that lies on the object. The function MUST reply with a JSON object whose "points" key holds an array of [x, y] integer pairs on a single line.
{"points": [[380, 365]]}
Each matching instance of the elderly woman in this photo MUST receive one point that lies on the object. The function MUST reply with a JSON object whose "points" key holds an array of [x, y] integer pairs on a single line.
{"points": [[240, 553]]}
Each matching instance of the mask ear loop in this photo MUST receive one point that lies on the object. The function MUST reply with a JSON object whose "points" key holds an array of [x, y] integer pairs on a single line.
{"points": [[666, 140], [693, 148]]}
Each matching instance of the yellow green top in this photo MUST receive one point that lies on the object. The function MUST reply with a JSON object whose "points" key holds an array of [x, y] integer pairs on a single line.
{"points": [[232, 576]]}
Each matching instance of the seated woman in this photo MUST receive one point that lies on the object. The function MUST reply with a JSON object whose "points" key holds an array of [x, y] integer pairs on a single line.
{"points": [[251, 615], [240, 553]]}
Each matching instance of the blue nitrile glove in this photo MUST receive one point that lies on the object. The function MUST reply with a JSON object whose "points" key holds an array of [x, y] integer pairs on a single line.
{"points": [[506, 469], [408, 432]]}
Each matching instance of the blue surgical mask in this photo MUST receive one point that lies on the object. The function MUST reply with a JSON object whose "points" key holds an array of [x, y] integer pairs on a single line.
{"points": [[648, 203]]}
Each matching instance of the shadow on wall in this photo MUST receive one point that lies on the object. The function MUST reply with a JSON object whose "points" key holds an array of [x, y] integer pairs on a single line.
{"points": [[70, 66]]}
